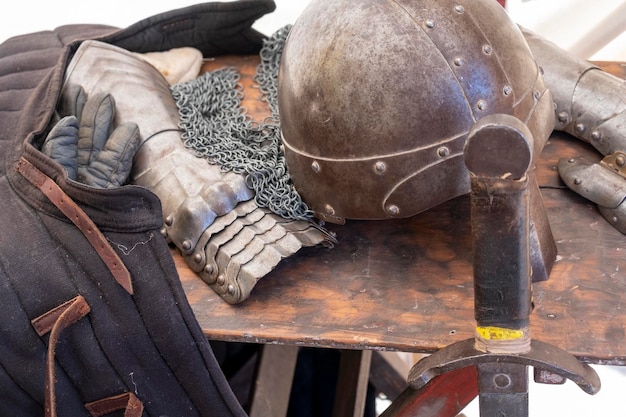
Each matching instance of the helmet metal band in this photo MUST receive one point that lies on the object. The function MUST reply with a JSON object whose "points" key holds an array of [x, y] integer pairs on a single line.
{"points": [[376, 99]]}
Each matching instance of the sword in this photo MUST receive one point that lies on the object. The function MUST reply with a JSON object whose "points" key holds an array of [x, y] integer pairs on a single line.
{"points": [[499, 156]]}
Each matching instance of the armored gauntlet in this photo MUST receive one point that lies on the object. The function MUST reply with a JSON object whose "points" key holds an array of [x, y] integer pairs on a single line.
{"points": [[208, 214], [604, 183], [590, 105]]}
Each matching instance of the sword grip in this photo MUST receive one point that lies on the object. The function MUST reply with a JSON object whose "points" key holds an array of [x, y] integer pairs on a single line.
{"points": [[498, 154]]}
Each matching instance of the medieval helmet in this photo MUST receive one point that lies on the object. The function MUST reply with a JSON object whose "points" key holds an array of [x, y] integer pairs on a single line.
{"points": [[376, 99]]}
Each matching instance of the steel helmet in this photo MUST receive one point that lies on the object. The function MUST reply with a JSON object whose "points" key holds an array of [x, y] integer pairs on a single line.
{"points": [[376, 98]]}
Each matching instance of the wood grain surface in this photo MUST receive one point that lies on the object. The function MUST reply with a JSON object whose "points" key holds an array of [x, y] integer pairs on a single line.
{"points": [[407, 284]]}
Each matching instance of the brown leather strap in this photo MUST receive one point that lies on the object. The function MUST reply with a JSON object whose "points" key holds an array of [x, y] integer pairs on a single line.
{"points": [[64, 316], [45, 323], [127, 401], [77, 216]]}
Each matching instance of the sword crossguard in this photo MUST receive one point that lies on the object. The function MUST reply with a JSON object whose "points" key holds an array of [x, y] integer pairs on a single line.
{"points": [[541, 355]]}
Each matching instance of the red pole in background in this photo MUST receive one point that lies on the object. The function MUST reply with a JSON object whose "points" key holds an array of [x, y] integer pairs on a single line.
{"points": [[501, 2]]}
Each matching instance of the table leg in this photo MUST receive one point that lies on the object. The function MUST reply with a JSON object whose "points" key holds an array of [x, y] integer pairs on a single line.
{"points": [[276, 368], [354, 370], [388, 373]]}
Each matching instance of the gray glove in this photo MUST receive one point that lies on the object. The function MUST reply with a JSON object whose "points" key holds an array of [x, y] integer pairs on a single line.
{"points": [[85, 143]]}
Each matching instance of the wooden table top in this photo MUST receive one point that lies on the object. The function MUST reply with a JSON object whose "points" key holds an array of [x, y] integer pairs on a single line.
{"points": [[407, 284]]}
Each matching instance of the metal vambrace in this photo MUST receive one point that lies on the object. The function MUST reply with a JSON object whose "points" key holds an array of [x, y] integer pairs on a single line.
{"points": [[589, 102], [603, 183], [209, 214], [590, 105]]}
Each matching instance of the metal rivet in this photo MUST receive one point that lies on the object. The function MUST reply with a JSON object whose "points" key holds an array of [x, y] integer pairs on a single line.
{"points": [[209, 276], [393, 210], [187, 245], [221, 280], [578, 181], [595, 135], [231, 289], [614, 219], [329, 209], [487, 49], [197, 258], [443, 152], [315, 166], [459, 9], [563, 117], [580, 128], [430, 23], [164, 232], [537, 95], [502, 380], [571, 160], [380, 167], [458, 61], [507, 90], [169, 220], [481, 105], [620, 160]]}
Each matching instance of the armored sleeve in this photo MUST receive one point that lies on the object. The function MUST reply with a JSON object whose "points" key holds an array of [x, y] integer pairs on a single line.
{"points": [[197, 198]]}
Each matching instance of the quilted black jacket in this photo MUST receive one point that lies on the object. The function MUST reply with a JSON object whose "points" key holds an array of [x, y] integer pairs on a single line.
{"points": [[93, 319]]}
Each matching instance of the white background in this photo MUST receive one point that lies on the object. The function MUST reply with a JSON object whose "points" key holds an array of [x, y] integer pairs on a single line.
{"points": [[26, 16], [568, 23], [565, 22]]}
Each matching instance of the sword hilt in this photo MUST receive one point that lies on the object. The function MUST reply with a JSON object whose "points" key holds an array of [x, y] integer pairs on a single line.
{"points": [[499, 156]]}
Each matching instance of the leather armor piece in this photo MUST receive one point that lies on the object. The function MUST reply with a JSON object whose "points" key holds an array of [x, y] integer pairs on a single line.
{"points": [[193, 193]]}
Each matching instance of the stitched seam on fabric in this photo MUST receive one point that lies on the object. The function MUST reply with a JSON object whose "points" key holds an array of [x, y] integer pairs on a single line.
{"points": [[81, 221]]}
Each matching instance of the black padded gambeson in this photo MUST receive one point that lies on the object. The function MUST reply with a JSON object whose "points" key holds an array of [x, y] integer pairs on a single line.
{"points": [[147, 345]]}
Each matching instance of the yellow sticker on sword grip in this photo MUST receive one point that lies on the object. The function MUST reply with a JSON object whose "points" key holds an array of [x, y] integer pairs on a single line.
{"points": [[499, 333]]}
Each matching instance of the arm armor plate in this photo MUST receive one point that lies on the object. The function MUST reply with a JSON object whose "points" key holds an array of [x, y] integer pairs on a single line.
{"points": [[590, 105], [589, 102], [208, 213], [603, 183]]}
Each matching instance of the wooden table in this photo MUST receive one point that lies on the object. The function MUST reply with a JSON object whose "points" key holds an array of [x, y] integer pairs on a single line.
{"points": [[406, 285]]}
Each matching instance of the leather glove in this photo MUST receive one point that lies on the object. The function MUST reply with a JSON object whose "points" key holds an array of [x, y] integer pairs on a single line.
{"points": [[85, 143]]}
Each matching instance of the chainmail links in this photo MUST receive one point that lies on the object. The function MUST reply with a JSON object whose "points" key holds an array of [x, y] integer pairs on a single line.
{"points": [[216, 127], [267, 71]]}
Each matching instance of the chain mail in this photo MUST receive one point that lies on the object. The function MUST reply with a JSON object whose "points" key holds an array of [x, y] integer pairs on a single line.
{"points": [[216, 127]]}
